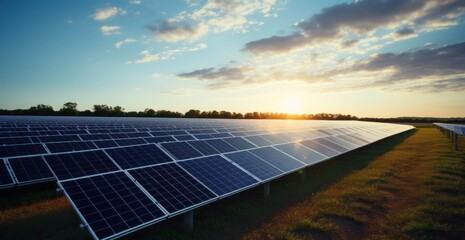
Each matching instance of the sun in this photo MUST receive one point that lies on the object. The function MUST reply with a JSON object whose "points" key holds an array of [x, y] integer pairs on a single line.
{"points": [[291, 105]]}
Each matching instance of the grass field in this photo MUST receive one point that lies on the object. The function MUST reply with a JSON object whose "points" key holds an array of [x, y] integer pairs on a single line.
{"points": [[410, 186]]}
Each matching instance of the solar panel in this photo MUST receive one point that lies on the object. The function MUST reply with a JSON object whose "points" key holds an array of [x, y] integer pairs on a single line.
{"points": [[301, 153], [219, 175], [95, 137], [105, 143], [203, 147], [239, 143], [136, 156], [159, 139], [111, 204], [332, 145], [5, 178], [220, 145], [78, 164], [259, 141], [181, 150], [130, 141], [254, 165], [172, 187], [21, 150], [315, 146], [184, 137], [60, 147], [15, 140], [30, 169], [58, 138], [277, 159], [273, 139]]}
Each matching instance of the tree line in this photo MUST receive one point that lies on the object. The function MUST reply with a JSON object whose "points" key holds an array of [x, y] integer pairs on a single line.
{"points": [[70, 109]]}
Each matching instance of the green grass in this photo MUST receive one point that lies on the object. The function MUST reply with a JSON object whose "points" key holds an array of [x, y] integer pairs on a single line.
{"points": [[409, 186]]}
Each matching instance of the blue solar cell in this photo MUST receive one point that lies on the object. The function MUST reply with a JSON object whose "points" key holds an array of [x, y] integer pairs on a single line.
{"points": [[138, 135], [239, 143], [130, 141], [118, 135], [95, 137], [332, 145], [181, 150], [14, 140], [273, 139], [319, 148], [159, 139], [137, 156], [301, 153], [105, 143], [66, 132], [203, 147], [21, 150], [277, 159], [70, 146], [221, 135], [30, 169], [111, 204], [73, 165], [184, 137], [172, 187], [58, 138], [338, 140], [220, 145], [254, 165], [259, 141], [218, 174], [176, 132], [5, 178], [203, 136]]}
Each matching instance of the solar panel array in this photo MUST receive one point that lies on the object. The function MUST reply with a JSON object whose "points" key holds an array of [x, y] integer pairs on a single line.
{"points": [[456, 128], [122, 174]]}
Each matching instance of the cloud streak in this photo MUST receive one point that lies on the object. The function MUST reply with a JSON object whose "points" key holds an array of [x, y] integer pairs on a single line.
{"points": [[362, 18], [110, 30]]}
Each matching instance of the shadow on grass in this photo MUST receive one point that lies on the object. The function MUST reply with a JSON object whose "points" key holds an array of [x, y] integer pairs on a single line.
{"points": [[230, 218]]}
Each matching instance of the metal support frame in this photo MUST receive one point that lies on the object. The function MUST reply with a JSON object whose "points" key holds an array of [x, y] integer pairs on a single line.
{"points": [[266, 189], [456, 141], [188, 220]]}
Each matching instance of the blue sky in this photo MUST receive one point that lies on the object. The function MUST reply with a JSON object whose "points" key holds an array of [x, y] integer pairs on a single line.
{"points": [[367, 58]]}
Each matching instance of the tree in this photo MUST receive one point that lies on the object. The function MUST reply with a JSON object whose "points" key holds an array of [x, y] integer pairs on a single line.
{"points": [[102, 110], [69, 109], [148, 112], [192, 114], [41, 109], [117, 111]]}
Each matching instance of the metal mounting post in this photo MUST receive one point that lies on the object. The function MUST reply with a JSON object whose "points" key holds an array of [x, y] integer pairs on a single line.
{"points": [[188, 220], [266, 189]]}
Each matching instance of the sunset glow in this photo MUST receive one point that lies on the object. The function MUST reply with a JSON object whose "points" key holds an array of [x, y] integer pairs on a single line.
{"points": [[368, 58]]}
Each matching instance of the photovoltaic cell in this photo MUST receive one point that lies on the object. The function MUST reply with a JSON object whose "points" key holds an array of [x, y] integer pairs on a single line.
{"points": [[301, 153], [203, 147], [239, 143], [159, 139], [21, 150], [219, 175], [277, 159], [137, 156], [332, 145], [15, 140], [95, 136], [5, 177], [73, 165], [184, 137], [30, 169], [315, 146], [259, 141], [181, 150], [70, 146], [254, 165], [171, 186], [59, 138], [130, 141], [111, 203], [273, 139], [105, 143], [220, 145]]}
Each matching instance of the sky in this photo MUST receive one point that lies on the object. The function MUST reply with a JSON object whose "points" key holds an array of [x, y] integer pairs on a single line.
{"points": [[368, 58]]}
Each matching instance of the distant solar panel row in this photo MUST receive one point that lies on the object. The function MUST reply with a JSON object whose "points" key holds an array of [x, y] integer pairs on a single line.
{"points": [[456, 128], [149, 170]]}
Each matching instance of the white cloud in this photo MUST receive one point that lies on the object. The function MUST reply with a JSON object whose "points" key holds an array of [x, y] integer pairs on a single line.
{"points": [[110, 30], [127, 40], [106, 13], [214, 15], [167, 54], [134, 1]]}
